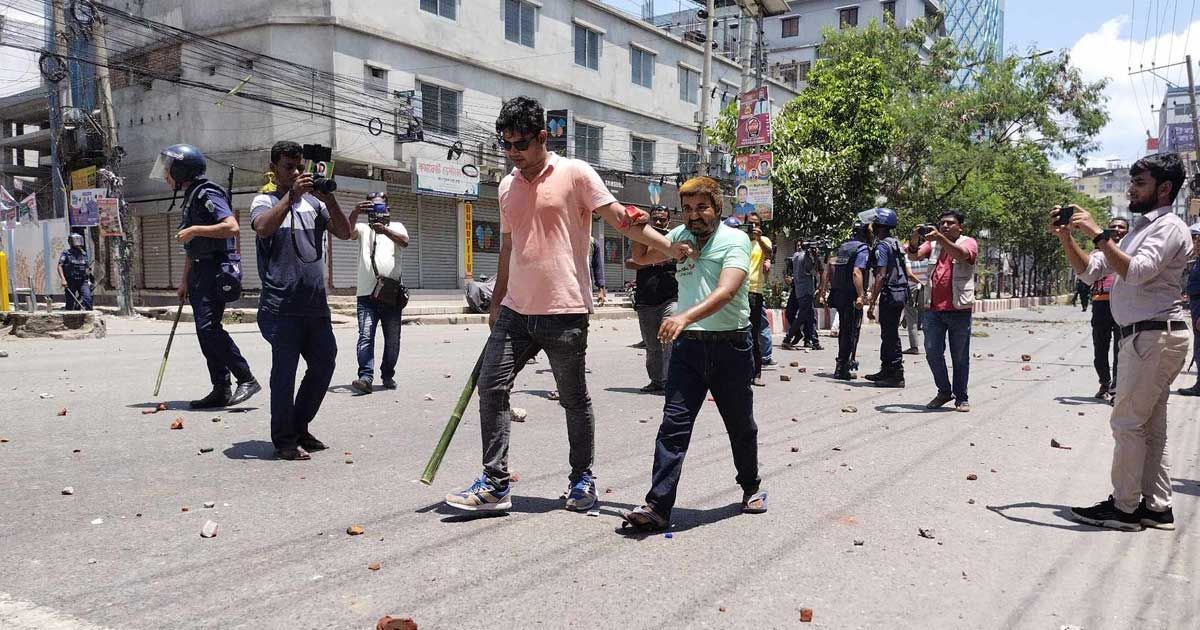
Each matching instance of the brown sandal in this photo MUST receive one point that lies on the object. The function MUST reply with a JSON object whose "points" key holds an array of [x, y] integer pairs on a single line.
{"points": [[644, 519]]}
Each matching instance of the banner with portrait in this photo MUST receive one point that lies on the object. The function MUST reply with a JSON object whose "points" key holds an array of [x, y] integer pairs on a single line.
{"points": [[84, 211], [754, 192]]}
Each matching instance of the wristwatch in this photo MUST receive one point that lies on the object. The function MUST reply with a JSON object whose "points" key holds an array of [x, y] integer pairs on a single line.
{"points": [[1104, 235]]}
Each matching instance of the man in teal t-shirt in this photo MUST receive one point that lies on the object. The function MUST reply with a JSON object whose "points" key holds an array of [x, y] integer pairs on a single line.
{"points": [[712, 352]]}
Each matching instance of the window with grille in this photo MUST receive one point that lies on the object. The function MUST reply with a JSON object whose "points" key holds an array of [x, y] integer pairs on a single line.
{"points": [[587, 48], [689, 85], [689, 161], [439, 109], [375, 80], [889, 8], [444, 8], [791, 26], [802, 70], [588, 139], [519, 22], [643, 67], [643, 155], [848, 17]]}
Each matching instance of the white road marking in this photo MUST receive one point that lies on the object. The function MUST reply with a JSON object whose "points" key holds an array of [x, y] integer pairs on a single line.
{"points": [[20, 615]]}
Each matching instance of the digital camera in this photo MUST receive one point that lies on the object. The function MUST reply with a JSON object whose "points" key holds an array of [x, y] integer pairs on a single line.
{"points": [[925, 230], [379, 209], [320, 164]]}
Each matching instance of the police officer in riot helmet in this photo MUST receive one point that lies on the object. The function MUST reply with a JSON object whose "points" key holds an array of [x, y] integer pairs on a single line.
{"points": [[74, 269], [848, 294], [212, 273], [890, 292]]}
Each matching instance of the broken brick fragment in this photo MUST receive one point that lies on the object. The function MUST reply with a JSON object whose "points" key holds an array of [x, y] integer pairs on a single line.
{"points": [[806, 615], [395, 623]]}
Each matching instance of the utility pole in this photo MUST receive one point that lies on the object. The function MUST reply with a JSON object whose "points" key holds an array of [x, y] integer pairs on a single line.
{"points": [[120, 245], [706, 89], [1192, 97], [54, 19]]}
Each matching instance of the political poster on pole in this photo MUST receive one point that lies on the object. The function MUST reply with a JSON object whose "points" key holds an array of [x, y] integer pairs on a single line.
{"points": [[110, 216], [556, 131], [752, 171], [84, 211], [754, 118]]}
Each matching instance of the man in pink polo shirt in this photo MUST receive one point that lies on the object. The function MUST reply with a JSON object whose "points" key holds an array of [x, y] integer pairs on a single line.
{"points": [[543, 297]]}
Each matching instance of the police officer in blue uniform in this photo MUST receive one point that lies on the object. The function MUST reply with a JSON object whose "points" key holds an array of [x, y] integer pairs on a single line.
{"points": [[890, 291], [74, 267], [211, 273], [848, 294]]}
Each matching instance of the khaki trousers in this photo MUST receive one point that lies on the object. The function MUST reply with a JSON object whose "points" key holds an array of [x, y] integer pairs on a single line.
{"points": [[1140, 466]]}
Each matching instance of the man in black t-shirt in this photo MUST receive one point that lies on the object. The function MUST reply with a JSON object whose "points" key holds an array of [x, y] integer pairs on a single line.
{"points": [[293, 312], [654, 300]]}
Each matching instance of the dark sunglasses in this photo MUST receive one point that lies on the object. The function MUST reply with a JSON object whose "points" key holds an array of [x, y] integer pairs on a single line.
{"points": [[519, 145]]}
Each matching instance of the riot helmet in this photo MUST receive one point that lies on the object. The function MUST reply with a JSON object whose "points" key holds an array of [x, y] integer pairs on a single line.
{"points": [[183, 162], [75, 240]]}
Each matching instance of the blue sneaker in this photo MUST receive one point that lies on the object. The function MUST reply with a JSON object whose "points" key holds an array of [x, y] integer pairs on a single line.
{"points": [[582, 494], [481, 495]]}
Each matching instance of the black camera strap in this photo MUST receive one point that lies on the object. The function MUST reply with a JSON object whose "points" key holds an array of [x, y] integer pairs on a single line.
{"points": [[374, 267], [296, 221]]}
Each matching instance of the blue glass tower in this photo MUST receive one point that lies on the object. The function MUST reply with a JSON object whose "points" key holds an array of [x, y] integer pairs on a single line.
{"points": [[976, 26]]}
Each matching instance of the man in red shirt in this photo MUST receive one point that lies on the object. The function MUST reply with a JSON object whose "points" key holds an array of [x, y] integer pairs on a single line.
{"points": [[952, 298]]}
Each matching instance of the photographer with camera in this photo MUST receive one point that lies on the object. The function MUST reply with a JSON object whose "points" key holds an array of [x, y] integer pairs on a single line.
{"points": [[1144, 299], [761, 252], [805, 272], [951, 300], [848, 294], [1105, 332], [293, 311], [890, 291], [212, 270], [381, 294]]}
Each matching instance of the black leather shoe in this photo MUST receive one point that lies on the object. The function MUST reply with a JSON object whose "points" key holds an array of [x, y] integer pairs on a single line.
{"points": [[244, 391], [310, 443], [895, 381], [292, 454], [389, 383], [880, 375], [362, 386], [217, 398], [1194, 390], [817, 346]]}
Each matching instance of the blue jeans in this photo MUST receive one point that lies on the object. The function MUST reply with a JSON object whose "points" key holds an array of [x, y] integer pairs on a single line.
{"points": [[515, 339], [957, 326], [292, 338], [370, 313], [724, 367], [764, 335]]}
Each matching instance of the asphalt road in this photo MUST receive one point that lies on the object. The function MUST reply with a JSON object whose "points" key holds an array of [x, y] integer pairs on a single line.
{"points": [[1002, 554]]}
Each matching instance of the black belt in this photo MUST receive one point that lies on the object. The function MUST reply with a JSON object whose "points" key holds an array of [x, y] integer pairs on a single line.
{"points": [[1174, 324], [715, 335]]}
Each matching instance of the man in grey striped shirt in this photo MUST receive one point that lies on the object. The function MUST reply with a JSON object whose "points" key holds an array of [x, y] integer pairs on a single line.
{"points": [[1145, 303]]}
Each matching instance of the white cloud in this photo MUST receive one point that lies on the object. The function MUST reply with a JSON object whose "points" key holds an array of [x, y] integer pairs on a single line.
{"points": [[1109, 52]]}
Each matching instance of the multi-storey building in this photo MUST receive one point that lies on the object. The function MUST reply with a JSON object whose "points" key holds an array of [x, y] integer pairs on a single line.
{"points": [[1109, 183], [1176, 133], [977, 26], [631, 90]]}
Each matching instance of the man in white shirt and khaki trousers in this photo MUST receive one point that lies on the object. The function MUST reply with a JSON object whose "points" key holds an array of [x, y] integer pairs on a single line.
{"points": [[1146, 306]]}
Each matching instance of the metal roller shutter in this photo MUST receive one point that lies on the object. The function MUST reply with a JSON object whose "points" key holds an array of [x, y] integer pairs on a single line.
{"points": [[438, 256], [486, 211], [248, 247], [177, 254], [403, 205], [613, 245], [156, 243], [344, 254]]}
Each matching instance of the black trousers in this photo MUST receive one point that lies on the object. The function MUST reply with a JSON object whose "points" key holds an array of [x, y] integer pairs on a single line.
{"points": [[890, 355], [756, 320], [1104, 335], [849, 323]]}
